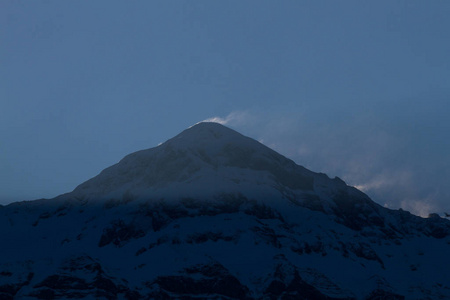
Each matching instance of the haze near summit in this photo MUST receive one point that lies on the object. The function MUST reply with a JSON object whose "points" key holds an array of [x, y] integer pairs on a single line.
{"points": [[355, 90]]}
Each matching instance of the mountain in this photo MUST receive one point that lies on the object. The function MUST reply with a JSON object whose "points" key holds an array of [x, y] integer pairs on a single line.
{"points": [[212, 214]]}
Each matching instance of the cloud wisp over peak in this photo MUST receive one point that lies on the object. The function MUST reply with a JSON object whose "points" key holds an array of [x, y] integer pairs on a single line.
{"points": [[390, 165]]}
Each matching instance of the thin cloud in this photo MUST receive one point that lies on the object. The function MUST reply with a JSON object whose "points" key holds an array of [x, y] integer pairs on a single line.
{"points": [[216, 120], [421, 207], [236, 118], [377, 154]]}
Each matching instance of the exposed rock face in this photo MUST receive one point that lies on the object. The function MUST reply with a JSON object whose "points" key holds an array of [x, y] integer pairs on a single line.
{"points": [[211, 214]]}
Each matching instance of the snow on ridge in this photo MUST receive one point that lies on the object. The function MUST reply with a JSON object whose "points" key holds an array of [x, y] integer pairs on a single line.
{"points": [[195, 156], [279, 230]]}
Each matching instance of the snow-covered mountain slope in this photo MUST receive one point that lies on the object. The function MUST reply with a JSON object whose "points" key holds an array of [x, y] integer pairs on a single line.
{"points": [[204, 160], [211, 214]]}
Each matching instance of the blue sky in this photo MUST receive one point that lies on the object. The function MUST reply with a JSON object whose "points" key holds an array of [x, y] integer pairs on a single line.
{"points": [[355, 89]]}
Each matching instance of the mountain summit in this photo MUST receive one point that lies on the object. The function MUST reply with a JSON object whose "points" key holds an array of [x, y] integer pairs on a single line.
{"points": [[212, 214], [203, 159]]}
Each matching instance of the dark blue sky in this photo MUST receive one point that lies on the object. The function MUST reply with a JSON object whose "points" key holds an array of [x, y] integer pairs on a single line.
{"points": [[355, 89]]}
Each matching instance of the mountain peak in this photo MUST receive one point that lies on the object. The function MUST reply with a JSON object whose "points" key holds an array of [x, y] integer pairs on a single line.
{"points": [[206, 154], [206, 130], [209, 135], [205, 127]]}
